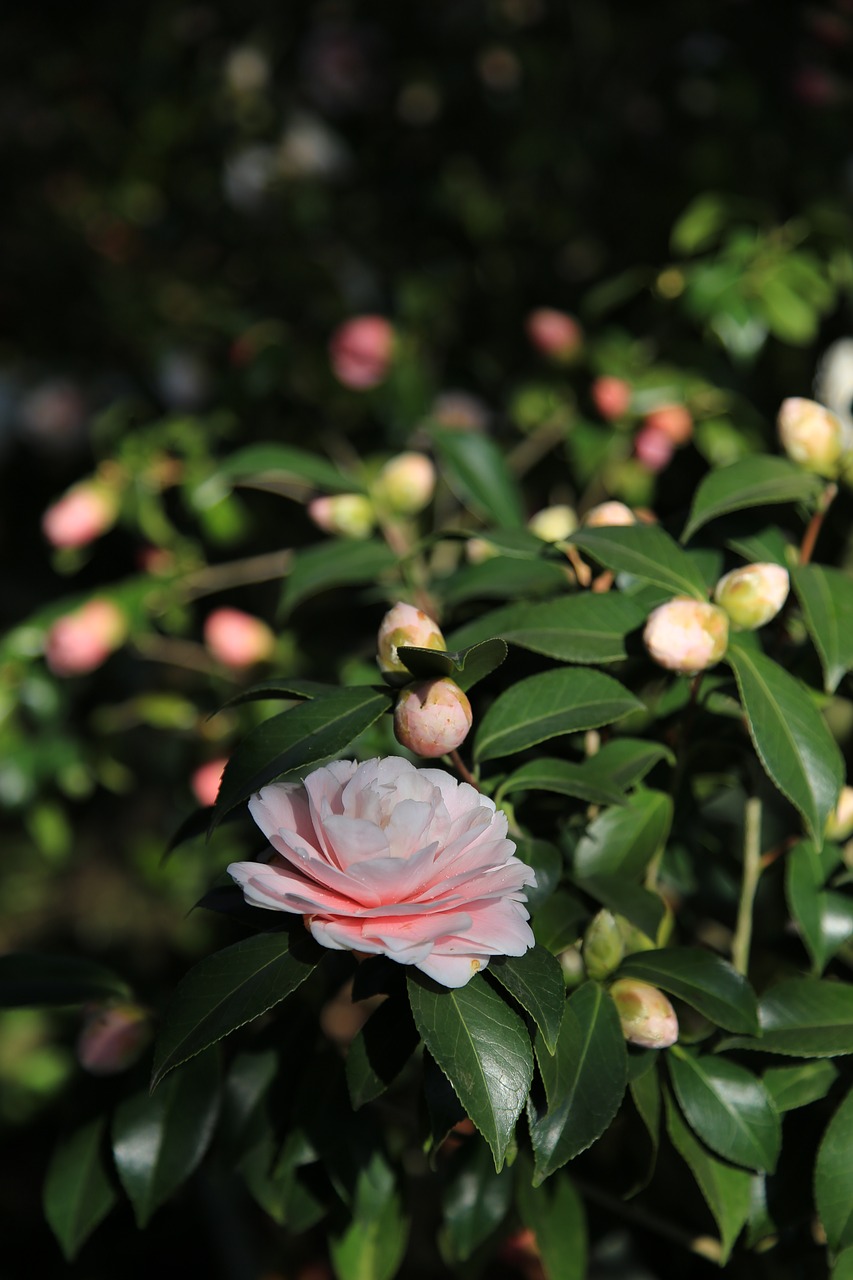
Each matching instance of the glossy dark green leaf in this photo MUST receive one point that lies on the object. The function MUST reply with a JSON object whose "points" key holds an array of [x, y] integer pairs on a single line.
{"points": [[559, 922], [547, 861], [278, 690], [482, 1047], [465, 666], [564, 778], [159, 1139], [646, 552], [78, 1193], [275, 1179], [554, 1212], [444, 1109], [751, 482], [700, 979], [380, 1051], [728, 1107], [476, 470], [500, 578], [623, 840], [843, 1269], [826, 598], [797, 1086], [536, 981], [229, 989], [790, 736], [823, 917], [804, 1018], [833, 1178], [373, 1245], [626, 761], [475, 1199], [726, 1190], [584, 1080], [307, 734], [646, 1096], [640, 906], [29, 979], [270, 460], [547, 705], [338, 562], [573, 628]]}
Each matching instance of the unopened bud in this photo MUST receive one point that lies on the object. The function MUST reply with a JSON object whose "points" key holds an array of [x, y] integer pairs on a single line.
{"points": [[839, 824], [478, 550], [350, 515], [611, 397], [79, 642], [361, 351], [433, 717], [237, 639], [648, 1019], [406, 483], [603, 946], [574, 972], [112, 1038], [811, 435], [82, 514], [672, 420], [553, 524], [406, 625], [205, 781], [607, 514], [687, 635], [554, 333], [653, 449], [751, 596]]}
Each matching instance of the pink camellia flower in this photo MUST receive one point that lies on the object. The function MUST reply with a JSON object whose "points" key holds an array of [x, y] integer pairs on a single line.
{"points": [[554, 333], [687, 635], [432, 717], [79, 516], [112, 1038], [653, 449], [205, 781], [386, 859], [361, 350], [79, 642], [674, 421], [237, 639], [611, 397]]}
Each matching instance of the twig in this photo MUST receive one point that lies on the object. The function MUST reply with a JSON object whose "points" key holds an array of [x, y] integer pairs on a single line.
{"points": [[749, 883], [704, 1246], [812, 533], [464, 772], [234, 573], [177, 653]]}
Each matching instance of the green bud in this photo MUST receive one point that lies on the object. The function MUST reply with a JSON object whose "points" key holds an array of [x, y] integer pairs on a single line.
{"points": [[603, 946], [754, 594]]}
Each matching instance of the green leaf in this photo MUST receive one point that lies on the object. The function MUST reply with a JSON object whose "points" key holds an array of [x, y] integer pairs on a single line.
{"points": [[700, 224], [797, 1086], [826, 598], [843, 1269], [833, 1180], [27, 980], [646, 1095], [642, 907], [751, 482], [380, 1051], [727, 1191], [500, 578], [159, 1139], [482, 1047], [700, 979], [563, 778], [338, 562], [824, 918], [465, 666], [547, 861], [268, 460], [229, 989], [646, 552], [536, 981], [475, 1198], [559, 921], [555, 1214], [790, 736], [626, 761], [768, 545], [547, 705], [78, 1193], [476, 470], [804, 1018], [573, 628], [584, 1080], [306, 734], [729, 1108], [373, 1245], [623, 840]]}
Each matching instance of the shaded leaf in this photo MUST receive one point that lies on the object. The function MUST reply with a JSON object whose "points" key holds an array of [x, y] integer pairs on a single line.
{"points": [[751, 482], [642, 907], [536, 981], [380, 1051], [824, 918], [646, 552], [554, 1212], [797, 1086], [78, 1193], [500, 578], [826, 598], [700, 979], [563, 778], [373, 1245], [476, 1199], [270, 459], [476, 470], [623, 840], [338, 562], [28, 980], [626, 761], [728, 1107], [646, 1095], [833, 1179], [806, 1018]]}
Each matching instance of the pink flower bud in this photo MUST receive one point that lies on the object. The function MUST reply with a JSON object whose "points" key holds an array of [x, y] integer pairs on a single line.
{"points": [[406, 483], [611, 397], [237, 639], [751, 596], [205, 781], [811, 435], [839, 824], [350, 515], [672, 420], [648, 1019], [433, 717], [478, 550], [687, 635], [405, 625], [79, 516], [653, 449], [361, 351], [554, 333], [553, 524], [112, 1038], [607, 514], [79, 642]]}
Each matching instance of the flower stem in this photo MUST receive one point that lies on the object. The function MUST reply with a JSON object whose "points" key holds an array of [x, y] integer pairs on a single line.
{"points": [[749, 883], [812, 533], [464, 772]]}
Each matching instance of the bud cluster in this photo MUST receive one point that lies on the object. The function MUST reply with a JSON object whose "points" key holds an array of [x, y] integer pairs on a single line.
{"points": [[433, 716], [403, 487]]}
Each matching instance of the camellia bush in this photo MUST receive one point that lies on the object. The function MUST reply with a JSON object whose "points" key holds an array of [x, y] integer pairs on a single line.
{"points": [[536, 886]]}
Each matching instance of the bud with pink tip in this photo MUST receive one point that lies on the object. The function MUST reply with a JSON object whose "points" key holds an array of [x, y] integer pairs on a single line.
{"points": [[361, 351], [205, 781], [349, 515], [406, 483], [608, 514], [433, 717], [811, 435], [653, 449], [406, 625], [648, 1019], [79, 642], [839, 824], [112, 1038], [754, 594], [611, 397], [686, 635], [553, 524], [554, 333], [673, 421], [82, 514], [237, 639]]}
